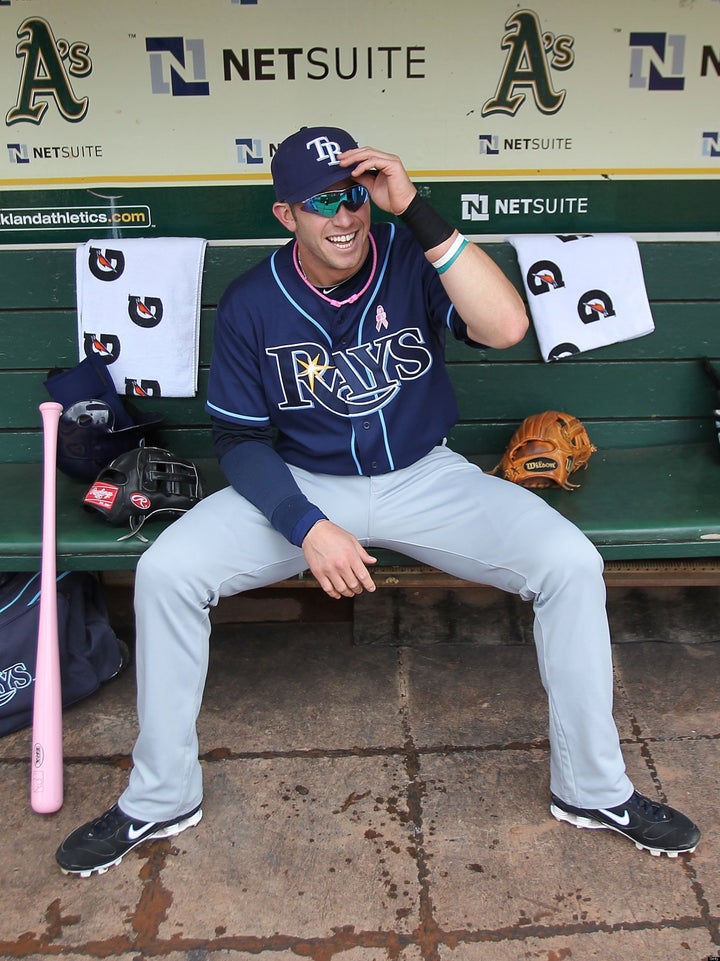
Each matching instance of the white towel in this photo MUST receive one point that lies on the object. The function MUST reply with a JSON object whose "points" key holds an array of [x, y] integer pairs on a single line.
{"points": [[583, 291], [139, 307]]}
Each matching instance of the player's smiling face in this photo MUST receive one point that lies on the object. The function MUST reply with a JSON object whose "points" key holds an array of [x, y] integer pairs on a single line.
{"points": [[333, 248]]}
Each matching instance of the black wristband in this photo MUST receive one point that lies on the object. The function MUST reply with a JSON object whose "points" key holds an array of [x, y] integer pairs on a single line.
{"points": [[426, 224]]}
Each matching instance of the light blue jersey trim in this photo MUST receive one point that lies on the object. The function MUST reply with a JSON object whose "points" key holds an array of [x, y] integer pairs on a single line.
{"points": [[353, 449], [295, 304], [381, 275], [229, 413]]}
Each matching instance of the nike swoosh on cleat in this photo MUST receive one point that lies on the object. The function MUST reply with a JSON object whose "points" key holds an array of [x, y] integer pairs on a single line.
{"points": [[622, 821], [134, 833]]}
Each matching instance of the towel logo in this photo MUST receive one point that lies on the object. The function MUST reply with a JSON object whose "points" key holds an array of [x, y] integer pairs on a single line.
{"points": [[106, 346], [142, 388], [595, 305], [544, 275], [145, 311], [106, 264], [563, 350]]}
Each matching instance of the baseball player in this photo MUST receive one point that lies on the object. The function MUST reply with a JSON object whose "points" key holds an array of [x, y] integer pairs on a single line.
{"points": [[330, 404]]}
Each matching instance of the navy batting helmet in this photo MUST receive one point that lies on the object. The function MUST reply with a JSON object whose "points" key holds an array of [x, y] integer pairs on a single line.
{"points": [[88, 441]]}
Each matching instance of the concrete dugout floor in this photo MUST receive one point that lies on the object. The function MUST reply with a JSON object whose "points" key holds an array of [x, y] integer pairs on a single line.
{"points": [[378, 803]]}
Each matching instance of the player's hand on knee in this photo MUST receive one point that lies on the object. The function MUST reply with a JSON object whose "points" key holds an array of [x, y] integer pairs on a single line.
{"points": [[337, 560]]}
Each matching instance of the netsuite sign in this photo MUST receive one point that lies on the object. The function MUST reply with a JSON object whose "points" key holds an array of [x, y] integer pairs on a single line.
{"points": [[480, 207]]}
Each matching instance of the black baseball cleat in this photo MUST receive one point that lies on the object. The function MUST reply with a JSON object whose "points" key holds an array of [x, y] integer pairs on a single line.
{"points": [[652, 826], [98, 845]]}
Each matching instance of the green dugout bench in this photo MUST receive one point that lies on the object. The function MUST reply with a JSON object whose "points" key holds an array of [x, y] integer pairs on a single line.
{"points": [[650, 499]]}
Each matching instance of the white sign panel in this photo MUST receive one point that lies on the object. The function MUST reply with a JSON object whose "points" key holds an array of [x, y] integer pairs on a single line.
{"points": [[178, 93]]}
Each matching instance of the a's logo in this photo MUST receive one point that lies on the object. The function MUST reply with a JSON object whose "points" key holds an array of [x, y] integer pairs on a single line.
{"points": [[710, 143], [543, 276], [249, 151], [325, 149], [353, 382], [475, 206], [18, 153], [106, 346], [48, 65], [177, 66], [106, 264], [595, 305], [531, 55], [13, 679], [665, 56], [145, 311]]}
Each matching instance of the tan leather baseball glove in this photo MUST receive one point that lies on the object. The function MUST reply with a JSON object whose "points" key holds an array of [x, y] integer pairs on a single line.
{"points": [[545, 450]]}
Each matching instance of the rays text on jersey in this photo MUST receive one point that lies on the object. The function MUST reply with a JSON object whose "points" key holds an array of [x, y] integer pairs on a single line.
{"points": [[352, 382]]}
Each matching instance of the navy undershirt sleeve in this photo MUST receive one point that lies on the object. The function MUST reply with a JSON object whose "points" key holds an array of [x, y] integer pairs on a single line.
{"points": [[255, 469]]}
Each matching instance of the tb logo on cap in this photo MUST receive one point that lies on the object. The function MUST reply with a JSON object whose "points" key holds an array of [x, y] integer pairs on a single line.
{"points": [[326, 149]]}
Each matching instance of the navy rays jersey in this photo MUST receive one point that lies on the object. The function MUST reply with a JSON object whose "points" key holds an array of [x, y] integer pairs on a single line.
{"points": [[353, 386]]}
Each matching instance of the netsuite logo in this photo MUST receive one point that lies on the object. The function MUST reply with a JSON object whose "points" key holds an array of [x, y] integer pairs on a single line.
{"points": [[657, 61], [177, 66], [478, 207], [711, 143], [249, 151], [18, 153], [475, 206], [253, 150], [490, 145]]}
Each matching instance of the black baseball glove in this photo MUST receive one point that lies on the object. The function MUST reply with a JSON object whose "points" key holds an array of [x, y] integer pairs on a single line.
{"points": [[144, 483]]}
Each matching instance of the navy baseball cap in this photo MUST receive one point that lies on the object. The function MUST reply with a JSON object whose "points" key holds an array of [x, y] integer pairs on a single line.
{"points": [[306, 162]]}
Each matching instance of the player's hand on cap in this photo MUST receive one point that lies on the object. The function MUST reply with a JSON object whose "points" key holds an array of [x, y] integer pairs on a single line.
{"points": [[384, 176], [337, 560]]}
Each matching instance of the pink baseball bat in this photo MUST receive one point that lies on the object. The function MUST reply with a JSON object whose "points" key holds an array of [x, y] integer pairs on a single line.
{"points": [[46, 761]]}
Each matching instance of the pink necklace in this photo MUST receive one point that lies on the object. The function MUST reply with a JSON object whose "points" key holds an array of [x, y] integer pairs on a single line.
{"points": [[329, 300]]}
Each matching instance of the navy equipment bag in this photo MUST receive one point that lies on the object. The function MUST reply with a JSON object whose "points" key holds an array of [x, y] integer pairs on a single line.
{"points": [[90, 652]]}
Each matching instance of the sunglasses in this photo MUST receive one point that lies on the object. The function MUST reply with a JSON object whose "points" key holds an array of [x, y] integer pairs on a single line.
{"points": [[328, 203]]}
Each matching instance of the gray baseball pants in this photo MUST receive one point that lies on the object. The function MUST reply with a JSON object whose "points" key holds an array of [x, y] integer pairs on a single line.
{"points": [[443, 511]]}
